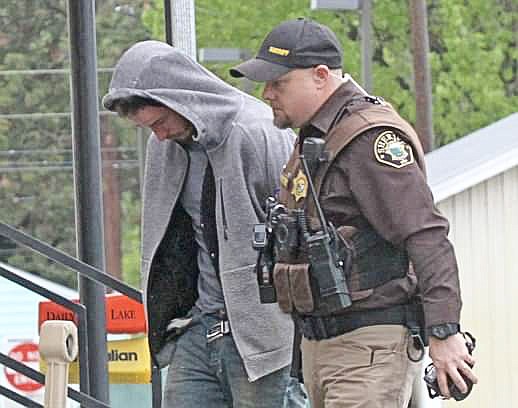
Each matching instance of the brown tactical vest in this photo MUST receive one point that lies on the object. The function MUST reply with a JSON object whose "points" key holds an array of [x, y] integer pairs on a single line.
{"points": [[293, 280]]}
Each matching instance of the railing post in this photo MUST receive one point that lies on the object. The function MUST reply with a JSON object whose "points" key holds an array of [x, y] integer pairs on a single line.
{"points": [[58, 347], [88, 182]]}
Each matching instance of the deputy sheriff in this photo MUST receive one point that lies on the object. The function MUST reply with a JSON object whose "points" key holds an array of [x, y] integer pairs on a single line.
{"points": [[371, 185]]}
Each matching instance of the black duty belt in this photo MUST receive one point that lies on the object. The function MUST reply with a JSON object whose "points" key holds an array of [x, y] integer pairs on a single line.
{"points": [[326, 327]]}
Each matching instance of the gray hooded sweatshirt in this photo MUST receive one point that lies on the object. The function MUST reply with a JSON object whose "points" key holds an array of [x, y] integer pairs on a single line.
{"points": [[246, 154]]}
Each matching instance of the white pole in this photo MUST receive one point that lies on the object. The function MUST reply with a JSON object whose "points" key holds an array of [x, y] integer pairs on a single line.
{"points": [[183, 26]]}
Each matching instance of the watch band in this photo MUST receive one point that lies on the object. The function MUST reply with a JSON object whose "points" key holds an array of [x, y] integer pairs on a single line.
{"points": [[443, 331]]}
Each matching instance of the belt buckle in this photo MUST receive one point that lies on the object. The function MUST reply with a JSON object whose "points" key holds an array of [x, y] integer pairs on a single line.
{"points": [[218, 330]]}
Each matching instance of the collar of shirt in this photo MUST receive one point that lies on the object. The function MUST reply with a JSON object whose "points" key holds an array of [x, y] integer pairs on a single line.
{"points": [[326, 115]]}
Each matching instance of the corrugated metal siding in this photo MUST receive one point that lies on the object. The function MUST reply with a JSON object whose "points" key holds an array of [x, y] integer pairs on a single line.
{"points": [[484, 224], [474, 158]]}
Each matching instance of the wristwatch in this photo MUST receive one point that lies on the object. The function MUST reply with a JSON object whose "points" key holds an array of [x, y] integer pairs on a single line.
{"points": [[442, 331]]}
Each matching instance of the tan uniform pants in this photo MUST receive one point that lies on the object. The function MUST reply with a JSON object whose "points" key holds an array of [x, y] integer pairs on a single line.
{"points": [[366, 368]]}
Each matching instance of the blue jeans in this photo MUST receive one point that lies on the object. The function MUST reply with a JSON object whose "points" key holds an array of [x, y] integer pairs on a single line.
{"points": [[212, 375], [296, 396]]}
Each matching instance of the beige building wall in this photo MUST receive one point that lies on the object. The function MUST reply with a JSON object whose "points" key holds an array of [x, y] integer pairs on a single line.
{"points": [[484, 228]]}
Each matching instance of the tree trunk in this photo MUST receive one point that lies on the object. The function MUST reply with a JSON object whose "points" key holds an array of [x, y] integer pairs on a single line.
{"points": [[422, 76], [112, 199]]}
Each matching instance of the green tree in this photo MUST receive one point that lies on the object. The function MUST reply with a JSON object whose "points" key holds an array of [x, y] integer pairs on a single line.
{"points": [[36, 179], [474, 62], [36, 192], [473, 51], [474, 78]]}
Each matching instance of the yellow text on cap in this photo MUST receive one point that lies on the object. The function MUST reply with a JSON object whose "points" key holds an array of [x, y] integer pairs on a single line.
{"points": [[279, 51]]}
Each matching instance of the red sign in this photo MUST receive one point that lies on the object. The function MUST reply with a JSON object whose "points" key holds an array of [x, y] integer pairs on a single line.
{"points": [[123, 315], [48, 310], [26, 353]]}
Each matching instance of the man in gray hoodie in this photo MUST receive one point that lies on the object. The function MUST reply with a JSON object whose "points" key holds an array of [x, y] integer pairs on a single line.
{"points": [[213, 158]]}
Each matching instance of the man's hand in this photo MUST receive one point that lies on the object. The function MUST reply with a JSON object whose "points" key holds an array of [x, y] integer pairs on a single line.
{"points": [[451, 358]]}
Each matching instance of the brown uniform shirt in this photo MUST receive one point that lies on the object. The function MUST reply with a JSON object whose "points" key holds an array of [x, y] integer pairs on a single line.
{"points": [[363, 186]]}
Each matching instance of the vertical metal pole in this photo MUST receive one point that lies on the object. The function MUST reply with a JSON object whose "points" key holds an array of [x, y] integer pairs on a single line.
{"points": [[156, 387], [182, 29], [84, 354], [366, 39], [168, 22], [422, 75], [87, 183]]}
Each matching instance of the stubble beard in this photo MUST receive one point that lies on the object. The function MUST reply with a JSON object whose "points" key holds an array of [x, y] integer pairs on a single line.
{"points": [[184, 137], [281, 121]]}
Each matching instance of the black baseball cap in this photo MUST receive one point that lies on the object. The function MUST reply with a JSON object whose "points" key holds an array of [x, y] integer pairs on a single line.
{"points": [[299, 43]]}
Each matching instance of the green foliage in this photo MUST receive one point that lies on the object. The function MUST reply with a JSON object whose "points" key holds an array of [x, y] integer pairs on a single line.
{"points": [[131, 240], [472, 46], [250, 21], [473, 59], [36, 181], [473, 51]]}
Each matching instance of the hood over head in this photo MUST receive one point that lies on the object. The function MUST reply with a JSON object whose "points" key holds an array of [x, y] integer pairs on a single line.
{"points": [[156, 70]]}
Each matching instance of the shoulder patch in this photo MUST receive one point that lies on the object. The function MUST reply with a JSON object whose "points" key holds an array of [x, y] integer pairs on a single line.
{"points": [[391, 150]]}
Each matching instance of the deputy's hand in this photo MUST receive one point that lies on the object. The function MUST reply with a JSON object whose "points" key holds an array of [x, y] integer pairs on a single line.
{"points": [[450, 358]]}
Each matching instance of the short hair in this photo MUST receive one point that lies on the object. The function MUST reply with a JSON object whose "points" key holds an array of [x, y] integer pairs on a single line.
{"points": [[131, 104]]}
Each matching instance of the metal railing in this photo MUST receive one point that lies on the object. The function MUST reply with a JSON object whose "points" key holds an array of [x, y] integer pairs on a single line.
{"points": [[80, 396], [84, 270]]}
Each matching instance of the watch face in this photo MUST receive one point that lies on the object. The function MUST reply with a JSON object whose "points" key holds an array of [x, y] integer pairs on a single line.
{"points": [[443, 331], [440, 332]]}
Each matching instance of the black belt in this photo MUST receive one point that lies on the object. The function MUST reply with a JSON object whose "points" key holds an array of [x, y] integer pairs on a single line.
{"points": [[326, 327]]}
